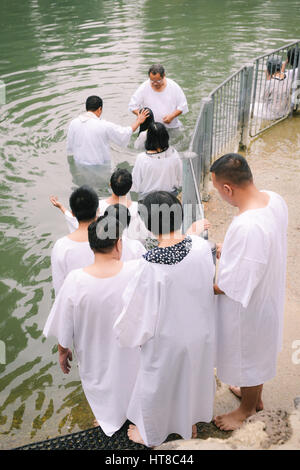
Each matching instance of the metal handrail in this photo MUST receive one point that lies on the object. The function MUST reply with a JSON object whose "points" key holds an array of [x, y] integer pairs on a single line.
{"points": [[226, 120]]}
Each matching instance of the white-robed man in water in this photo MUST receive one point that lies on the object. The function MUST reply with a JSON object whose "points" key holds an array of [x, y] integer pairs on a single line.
{"points": [[169, 312], [250, 287], [88, 304], [162, 95], [89, 137]]}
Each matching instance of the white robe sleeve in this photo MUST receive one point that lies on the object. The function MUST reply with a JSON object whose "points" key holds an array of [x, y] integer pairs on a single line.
{"points": [[137, 322], [58, 271], [181, 102], [60, 320], [137, 101], [137, 176], [71, 221], [243, 263], [119, 135]]}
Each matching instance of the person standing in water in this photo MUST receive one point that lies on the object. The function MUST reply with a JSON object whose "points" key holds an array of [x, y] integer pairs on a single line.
{"points": [[89, 136], [159, 168], [161, 94]]}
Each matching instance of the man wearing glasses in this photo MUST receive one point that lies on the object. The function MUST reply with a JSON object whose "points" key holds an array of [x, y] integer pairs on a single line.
{"points": [[162, 95]]}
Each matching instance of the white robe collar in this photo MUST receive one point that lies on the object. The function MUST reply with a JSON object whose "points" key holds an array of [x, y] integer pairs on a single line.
{"points": [[87, 115], [171, 254]]}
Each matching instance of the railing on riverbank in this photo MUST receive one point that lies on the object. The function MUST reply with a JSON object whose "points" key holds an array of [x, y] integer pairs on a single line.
{"points": [[251, 100]]}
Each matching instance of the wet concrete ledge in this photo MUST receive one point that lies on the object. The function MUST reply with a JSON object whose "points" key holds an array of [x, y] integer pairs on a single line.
{"points": [[266, 430]]}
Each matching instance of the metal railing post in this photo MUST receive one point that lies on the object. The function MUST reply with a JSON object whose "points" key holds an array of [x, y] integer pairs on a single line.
{"points": [[206, 137], [189, 195], [296, 90], [245, 103]]}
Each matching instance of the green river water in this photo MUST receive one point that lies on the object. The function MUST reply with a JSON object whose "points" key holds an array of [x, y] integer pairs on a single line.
{"points": [[53, 54]]}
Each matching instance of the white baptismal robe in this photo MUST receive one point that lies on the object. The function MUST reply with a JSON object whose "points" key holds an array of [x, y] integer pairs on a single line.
{"points": [[83, 315], [157, 172], [169, 311], [68, 255], [250, 314], [89, 138], [161, 103]]}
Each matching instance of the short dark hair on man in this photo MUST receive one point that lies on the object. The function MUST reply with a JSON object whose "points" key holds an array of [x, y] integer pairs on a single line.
{"points": [[232, 168], [161, 212], [93, 103], [293, 56], [121, 182], [104, 233], [157, 137], [84, 203], [155, 69], [120, 212]]}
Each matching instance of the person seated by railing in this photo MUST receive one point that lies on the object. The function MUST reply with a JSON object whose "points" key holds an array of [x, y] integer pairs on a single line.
{"points": [[274, 92]]}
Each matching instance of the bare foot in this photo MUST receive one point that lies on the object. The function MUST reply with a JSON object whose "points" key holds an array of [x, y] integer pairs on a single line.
{"points": [[134, 434], [237, 392], [95, 423], [194, 431], [231, 421]]}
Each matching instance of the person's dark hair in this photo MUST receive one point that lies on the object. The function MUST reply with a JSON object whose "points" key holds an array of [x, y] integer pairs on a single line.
{"points": [[84, 203], [293, 56], [120, 212], [161, 212], [155, 69], [93, 103], [232, 168], [274, 64], [157, 137], [145, 125], [121, 182], [104, 234]]}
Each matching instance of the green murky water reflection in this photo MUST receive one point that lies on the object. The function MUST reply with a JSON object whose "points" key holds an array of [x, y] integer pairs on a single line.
{"points": [[52, 55]]}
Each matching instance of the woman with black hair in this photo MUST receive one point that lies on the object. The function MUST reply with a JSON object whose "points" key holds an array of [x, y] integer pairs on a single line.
{"points": [[82, 318], [159, 168], [169, 312], [139, 143]]}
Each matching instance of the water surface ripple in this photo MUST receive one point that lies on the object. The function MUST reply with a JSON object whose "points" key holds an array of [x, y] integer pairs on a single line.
{"points": [[52, 56]]}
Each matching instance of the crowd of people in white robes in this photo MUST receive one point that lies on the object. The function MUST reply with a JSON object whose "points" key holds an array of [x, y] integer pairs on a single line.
{"points": [[149, 327]]}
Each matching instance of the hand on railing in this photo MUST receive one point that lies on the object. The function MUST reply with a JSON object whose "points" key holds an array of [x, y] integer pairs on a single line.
{"points": [[198, 227]]}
